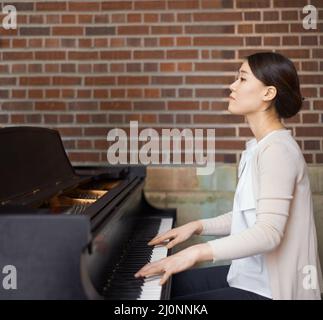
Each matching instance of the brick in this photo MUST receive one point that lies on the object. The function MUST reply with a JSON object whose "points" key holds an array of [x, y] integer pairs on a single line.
{"points": [[68, 31], [183, 118], [183, 5], [182, 54], [89, 31], [310, 66], [183, 105], [68, 19], [166, 30], [50, 55], [84, 6], [4, 118], [34, 31], [50, 6], [310, 118], [311, 79], [271, 41], [115, 55], [245, 28], [33, 118], [217, 66], [99, 80], [230, 145], [150, 17], [167, 67], [167, 17], [82, 55], [171, 80], [218, 16], [252, 15], [209, 79], [217, 41], [115, 105], [50, 105], [134, 93], [149, 105], [34, 81], [117, 5], [66, 81], [17, 118], [4, 94], [22, 6], [152, 93], [290, 41], [148, 54], [212, 4], [148, 118], [209, 29], [271, 15], [149, 5], [211, 93], [317, 53], [253, 41], [289, 3], [17, 106], [132, 30], [18, 94], [289, 15], [136, 80], [7, 81], [253, 4], [12, 55], [118, 18], [309, 131], [83, 105], [271, 28]]}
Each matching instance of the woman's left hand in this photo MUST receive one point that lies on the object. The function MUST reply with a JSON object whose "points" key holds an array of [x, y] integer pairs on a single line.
{"points": [[178, 262]]}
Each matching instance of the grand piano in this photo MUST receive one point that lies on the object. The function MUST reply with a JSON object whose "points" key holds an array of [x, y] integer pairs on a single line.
{"points": [[74, 232]]}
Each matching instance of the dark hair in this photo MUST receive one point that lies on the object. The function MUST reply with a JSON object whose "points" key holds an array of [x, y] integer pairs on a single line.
{"points": [[273, 69]]}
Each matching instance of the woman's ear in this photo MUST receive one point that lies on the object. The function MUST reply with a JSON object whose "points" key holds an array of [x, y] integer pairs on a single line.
{"points": [[270, 93]]}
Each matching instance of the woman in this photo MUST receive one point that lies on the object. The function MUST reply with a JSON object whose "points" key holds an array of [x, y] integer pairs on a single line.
{"points": [[270, 233]]}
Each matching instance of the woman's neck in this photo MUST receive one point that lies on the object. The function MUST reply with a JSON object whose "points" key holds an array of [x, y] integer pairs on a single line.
{"points": [[262, 125]]}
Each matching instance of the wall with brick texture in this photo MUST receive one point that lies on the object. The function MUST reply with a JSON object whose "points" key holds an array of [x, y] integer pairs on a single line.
{"points": [[84, 67]]}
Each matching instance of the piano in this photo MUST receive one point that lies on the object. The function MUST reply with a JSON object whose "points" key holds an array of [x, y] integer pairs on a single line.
{"points": [[74, 232]]}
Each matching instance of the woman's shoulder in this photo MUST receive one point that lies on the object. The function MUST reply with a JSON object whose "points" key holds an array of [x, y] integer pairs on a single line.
{"points": [[280, 145]]}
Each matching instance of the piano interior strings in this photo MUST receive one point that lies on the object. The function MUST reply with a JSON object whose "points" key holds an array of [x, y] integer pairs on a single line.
{"points": [[74, 232]]}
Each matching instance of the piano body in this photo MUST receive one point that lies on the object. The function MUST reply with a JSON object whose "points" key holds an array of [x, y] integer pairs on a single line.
{"points": [[74, 233]]}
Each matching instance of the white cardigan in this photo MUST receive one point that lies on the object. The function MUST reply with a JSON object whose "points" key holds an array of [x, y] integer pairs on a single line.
{"points": [[284, 230]]}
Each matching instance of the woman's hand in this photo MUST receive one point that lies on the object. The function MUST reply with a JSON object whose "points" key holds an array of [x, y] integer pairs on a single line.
{"points": [[178, 262], [178, 234]]}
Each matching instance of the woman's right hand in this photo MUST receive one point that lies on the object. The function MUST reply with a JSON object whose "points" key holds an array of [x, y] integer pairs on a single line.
{"points": [[177, 235]]}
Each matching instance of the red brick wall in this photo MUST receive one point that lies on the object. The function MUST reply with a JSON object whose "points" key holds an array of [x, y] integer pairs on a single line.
{"points": [[84, 67]]}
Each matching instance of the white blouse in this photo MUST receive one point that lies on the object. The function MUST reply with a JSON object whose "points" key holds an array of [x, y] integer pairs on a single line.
{"points": [[249, 273]]}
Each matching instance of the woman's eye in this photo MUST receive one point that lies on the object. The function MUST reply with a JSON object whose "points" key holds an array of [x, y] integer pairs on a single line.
{"points": [[242, 79]]}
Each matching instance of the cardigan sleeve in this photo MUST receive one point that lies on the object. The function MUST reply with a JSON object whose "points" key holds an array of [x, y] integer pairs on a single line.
{"points": [[218, 226], [277, 175]]}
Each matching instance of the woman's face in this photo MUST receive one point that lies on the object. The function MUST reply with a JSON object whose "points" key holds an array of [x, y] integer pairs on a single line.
{"points": [[248, 93]]}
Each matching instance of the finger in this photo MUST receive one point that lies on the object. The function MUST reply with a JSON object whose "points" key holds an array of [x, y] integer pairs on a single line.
{"points": [[161, 238], [172, 243], [147, 267], [165, 277], [153, 270]]}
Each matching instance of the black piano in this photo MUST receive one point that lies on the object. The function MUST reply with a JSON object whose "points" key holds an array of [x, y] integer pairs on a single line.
{"points": [[73, 232]]}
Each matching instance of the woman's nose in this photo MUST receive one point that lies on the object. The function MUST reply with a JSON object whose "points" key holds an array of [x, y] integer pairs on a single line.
{"points": [[232, 86]]}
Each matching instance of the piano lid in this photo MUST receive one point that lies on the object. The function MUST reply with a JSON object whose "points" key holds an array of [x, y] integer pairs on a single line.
{"points": [[32, 159]]}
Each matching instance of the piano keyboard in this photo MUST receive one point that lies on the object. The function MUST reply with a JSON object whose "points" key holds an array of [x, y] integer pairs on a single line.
{"points": [[121, 283], [151, 290]]}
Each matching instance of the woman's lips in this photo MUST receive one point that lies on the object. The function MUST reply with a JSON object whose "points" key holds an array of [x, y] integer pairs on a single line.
{"points": [[231, 98]]}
